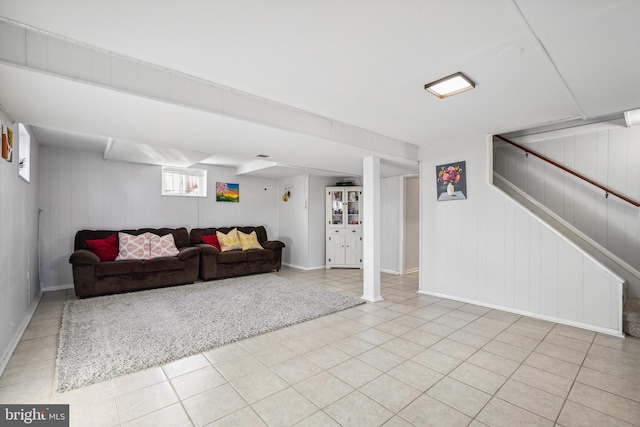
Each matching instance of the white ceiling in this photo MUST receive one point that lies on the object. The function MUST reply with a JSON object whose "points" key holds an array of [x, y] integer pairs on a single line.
{"points": [[359, 62]]}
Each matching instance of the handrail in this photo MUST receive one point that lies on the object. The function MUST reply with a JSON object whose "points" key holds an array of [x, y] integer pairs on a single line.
{"points": [[606, 190]]}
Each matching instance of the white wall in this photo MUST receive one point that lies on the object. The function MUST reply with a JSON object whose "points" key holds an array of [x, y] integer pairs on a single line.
{"points": [[318, 219], [391, 213], [302, 220], [79, 190], [293, 221], [611, 157], [19, 289], [399, 224], [489, 250], [411, 227]]}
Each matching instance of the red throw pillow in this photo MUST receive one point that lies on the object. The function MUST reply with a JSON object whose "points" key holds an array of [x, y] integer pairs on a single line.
{"points": [[106, 249], [211, 240]]}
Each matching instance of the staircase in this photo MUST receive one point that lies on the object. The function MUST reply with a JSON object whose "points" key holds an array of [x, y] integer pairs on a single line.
{"points": [[631, 313]]}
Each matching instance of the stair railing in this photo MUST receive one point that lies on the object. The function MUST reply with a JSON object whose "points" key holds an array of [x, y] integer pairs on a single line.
{"points": [[606, 190]]}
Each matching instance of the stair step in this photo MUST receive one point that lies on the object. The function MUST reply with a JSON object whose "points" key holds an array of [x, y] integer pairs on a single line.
{"points": [[631, 317]]}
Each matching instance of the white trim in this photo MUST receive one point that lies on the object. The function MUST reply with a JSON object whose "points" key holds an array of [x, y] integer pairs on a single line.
{"points": [[371, 229], [403, 218], [401, 212], [621, 295], [56, 288], [298, 267], [15, 340], [532, 314], [395, 273], [572, 131]]}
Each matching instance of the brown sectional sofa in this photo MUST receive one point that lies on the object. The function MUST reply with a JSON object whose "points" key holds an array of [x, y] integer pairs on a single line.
{"points": [[92, 277], [217, 265]]}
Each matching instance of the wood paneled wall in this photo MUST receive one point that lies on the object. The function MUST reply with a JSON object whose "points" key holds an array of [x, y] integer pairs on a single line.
{"points": [[19, 287], [491, 251], [610, 157], [79, 190]]}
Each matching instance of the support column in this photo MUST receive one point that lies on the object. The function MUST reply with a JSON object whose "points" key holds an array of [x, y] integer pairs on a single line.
{"points": [[371, 229]]}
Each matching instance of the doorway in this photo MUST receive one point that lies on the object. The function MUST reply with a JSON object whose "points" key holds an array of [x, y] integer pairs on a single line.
{"points": [[411, 225]]}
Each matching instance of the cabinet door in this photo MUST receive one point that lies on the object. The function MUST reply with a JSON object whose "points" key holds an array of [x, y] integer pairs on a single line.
{"points": [[353, 248], [335, 249], [354, 207], [335, 208]]}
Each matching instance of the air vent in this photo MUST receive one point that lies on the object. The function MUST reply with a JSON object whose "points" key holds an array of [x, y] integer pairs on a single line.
{"points": [[262, 156]]}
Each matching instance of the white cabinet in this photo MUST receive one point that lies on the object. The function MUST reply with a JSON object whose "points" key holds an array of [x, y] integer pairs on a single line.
{"points": [[344, 227], [344, 248]]}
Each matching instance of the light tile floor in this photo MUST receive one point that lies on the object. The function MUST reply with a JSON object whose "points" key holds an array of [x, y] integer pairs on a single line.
{"points": [[408, 360]]}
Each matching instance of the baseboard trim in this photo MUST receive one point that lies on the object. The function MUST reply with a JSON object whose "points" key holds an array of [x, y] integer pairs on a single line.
{"points": [[15, 340], [56, 288], [298, 267], [395, 273], [553, 319]]}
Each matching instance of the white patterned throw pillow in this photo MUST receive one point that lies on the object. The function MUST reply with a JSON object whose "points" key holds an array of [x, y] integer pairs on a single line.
{"points": [[163, 246], [133, 247]]}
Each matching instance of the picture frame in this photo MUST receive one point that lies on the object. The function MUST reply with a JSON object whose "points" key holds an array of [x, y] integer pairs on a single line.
{"points": [[227, 192], [9, 145], [5, 143], [451, 181]]}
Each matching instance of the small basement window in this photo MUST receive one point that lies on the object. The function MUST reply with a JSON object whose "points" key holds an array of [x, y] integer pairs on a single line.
{"points": [[184, 182]]}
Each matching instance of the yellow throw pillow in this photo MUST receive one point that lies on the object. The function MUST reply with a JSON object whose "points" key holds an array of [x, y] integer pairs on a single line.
{"points": [[229, 241], [249, 241]]}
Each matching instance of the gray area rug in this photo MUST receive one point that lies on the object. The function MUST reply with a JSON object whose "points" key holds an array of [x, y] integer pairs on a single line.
{"points": [[108, 336]]}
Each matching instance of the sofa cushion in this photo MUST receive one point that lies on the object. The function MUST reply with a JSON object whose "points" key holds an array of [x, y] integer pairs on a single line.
{"points": [[232, 257], [180, 235], [163, 264], [133, 247], [118, 268], [162, 246], [261, 233], [212, 240], [229, 241], [258, 254], [249, 241], [106, 249]]}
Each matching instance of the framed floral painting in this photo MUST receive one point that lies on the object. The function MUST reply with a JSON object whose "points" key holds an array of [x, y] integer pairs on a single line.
{"points": [[7, 143], [451, 181]]}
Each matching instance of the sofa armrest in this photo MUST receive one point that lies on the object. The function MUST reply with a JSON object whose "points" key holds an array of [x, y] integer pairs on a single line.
{"points": [[186, 253], [84, 256], [208, 249], [273, 244]]}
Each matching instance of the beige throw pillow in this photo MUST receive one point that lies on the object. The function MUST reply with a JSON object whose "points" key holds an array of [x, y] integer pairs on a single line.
{"points": [[249, 241], [229, 241]]}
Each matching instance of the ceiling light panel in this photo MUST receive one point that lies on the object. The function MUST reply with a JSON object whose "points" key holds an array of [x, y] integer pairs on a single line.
{"points": [[450, 85]]}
